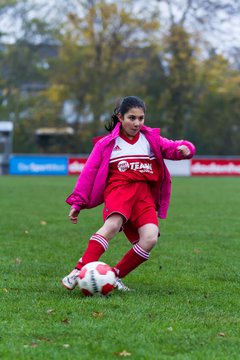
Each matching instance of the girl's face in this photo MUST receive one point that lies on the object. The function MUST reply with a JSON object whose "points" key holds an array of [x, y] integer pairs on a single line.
{"points": [[132, 121]]}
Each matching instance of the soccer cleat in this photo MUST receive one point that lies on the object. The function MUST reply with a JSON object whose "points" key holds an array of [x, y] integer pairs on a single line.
{"points": [[70, 281], [119, 285]]}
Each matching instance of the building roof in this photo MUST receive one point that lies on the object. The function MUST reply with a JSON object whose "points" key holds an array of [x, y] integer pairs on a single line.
{"points": [[54, 131]]}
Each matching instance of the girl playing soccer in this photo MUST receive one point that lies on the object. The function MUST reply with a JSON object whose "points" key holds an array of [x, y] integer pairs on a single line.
{"points": [[126, 171]]}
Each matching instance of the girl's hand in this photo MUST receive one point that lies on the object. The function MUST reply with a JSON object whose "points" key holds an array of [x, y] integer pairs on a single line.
{"points": [[73, 215], [184, 150]]}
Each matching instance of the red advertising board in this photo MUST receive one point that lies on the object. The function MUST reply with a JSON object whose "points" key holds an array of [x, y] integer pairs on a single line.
{"points": [[215, 167], [198, 167], [75, 165]]}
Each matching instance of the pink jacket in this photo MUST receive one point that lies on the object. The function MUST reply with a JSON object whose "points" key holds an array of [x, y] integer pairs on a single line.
{"points": [[90, 186]]}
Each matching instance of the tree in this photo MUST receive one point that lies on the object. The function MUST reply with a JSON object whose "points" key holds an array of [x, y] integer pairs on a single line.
{"points": [[24, 68], [183, 73], [181, 79], [100, 60], [208, 17], [216, 128], [104, 50], [5, 6]]}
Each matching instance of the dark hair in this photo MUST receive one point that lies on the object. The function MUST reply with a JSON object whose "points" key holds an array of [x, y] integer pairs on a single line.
{"points": [[125, 105]]}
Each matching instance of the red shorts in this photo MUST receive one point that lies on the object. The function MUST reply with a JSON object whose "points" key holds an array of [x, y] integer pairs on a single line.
{"points": [[135, 203]]}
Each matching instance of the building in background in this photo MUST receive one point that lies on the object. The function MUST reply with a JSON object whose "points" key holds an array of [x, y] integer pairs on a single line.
{"points": [[6, 133]]}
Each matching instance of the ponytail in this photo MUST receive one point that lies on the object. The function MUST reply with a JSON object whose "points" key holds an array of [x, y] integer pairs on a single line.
{"points": [[114, 120]]}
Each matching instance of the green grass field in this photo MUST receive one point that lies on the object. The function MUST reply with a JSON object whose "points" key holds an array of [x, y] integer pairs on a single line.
{"points": [[186, 303]]}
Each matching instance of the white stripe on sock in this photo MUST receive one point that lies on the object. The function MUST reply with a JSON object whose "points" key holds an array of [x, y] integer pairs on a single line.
{"points": [[138, 250], [101, 239]]}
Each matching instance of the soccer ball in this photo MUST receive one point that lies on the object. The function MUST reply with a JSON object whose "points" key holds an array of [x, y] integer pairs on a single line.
{"points": [[96, 278]]}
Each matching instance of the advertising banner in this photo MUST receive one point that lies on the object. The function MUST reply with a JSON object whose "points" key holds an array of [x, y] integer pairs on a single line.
{"points": [[178, 168], [62, 165], [75, 165], [38, 165], [215, 167]]}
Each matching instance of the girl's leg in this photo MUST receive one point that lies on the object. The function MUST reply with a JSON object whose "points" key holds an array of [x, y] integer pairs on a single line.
{"points": [[148, 236], [139, 253], [97, 245]]}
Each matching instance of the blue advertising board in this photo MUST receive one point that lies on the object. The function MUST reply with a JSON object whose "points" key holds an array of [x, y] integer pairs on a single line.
{"points": [[38, 165]]}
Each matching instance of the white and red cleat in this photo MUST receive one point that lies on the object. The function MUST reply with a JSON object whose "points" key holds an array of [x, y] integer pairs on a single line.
{"points": [[70, 281], [119, 285]]}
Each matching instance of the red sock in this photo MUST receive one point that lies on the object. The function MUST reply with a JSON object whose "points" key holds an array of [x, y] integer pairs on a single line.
{"points": [[97, 245], [132, 259]]}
